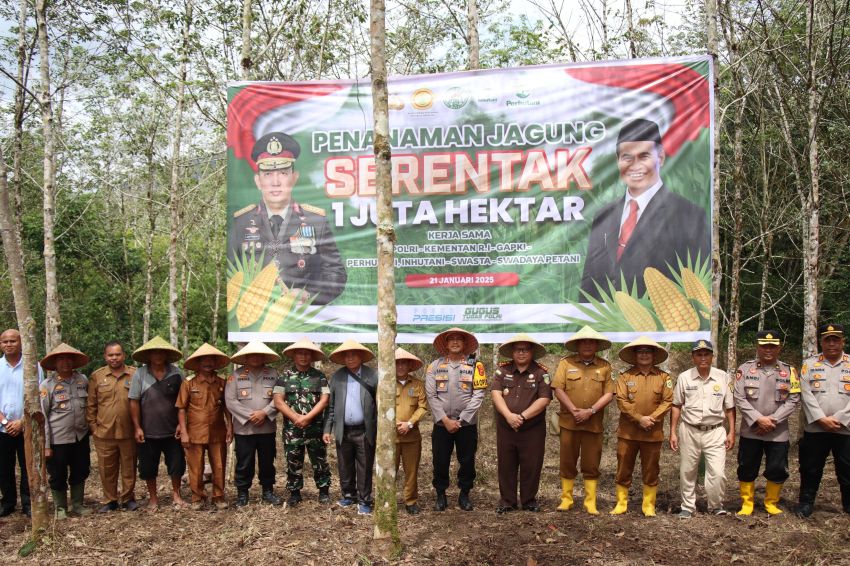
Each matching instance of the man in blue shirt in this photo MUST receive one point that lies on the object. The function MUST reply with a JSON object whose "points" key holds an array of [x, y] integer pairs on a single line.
{"points": [[12, 424]]}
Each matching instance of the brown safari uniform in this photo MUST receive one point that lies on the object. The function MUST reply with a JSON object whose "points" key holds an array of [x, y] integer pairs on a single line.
{"points": [[410, 406], [520, 450], [584, 384], [203, 402], [640, 395], [108, 417]]}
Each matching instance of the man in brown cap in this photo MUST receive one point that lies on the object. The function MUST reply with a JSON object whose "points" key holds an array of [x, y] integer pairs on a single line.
{"points": [[584, 386], [455, 385], [644, 395], [521, 392], [205, 423], [410, 406], [153, 394], [826, 408], [63, 402], [108, 416]]}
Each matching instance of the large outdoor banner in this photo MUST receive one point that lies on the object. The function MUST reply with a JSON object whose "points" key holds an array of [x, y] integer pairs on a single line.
{"points": [[535, 200]]}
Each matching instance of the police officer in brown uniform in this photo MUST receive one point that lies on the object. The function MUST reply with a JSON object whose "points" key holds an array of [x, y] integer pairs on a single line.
{"points": [[295, 236], [249, 397], [521, 392], [644, 395], [63, 401], [825, 385], [204, 423], [108, 416], [767, 392], [584, 387], [411, 404]]}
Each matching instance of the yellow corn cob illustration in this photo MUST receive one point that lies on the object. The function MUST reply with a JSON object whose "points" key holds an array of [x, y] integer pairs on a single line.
{"points": [[673, 309], [278, 311], [234, 287], [635, 313], [256, 296], [694, 288]]}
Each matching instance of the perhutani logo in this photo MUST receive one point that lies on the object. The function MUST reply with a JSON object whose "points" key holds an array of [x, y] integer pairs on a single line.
{"points": [[523, 98], [482, 313], [523, 94], [455, 98]]}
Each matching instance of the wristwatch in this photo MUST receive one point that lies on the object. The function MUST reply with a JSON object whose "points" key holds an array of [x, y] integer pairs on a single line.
{"points": [[409, 425], [4, 422], [592, 411]]}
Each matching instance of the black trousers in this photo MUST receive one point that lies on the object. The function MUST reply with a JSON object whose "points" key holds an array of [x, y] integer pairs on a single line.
{"points": [[355, 460], [12, 449], [149, 453], [74, 458], [249, 449], [814, 448], [443, 444], [750, 451]]}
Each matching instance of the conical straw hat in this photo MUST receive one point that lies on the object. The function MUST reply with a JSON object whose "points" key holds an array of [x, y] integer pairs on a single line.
{"points": [[337, 355], [193, 362], [63, 349], [587, 333], [506, 350], [402, 354], [255, 347], [156, 343], [470, 344], [627, 354], [305, 343]]}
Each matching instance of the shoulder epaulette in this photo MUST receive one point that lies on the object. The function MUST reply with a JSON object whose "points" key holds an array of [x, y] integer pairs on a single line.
{"points": [[505, 363], [242, 211], [544, 368], [314, 209]]}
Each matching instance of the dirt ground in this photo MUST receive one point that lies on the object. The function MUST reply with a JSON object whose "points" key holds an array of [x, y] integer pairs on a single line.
{"points": [[327, 534]]}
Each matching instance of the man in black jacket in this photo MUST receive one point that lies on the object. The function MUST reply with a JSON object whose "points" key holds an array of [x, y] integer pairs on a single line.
{"points": [[650, 226]]}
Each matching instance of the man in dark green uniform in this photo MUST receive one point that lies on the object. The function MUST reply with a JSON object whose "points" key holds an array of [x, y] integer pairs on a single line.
{"points": [[301, 395], [295, 236]]}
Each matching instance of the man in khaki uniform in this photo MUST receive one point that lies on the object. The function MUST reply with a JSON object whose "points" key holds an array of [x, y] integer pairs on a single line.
{"points": [[410, 406], [584, 386], [204, 423], [108, 417], [767, 392], [702, 396], [644, 395], [249, 398]]}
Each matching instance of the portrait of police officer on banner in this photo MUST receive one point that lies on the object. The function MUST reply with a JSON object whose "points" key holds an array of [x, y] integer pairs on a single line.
{"points": [[294, 236]]}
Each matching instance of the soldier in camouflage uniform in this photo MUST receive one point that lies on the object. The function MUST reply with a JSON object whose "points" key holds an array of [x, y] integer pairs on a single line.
{"points": [[301, 395]]}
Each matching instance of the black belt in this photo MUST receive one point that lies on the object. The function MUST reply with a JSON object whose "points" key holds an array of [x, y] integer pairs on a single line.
{"points": [[355, 426], [705, 427]]}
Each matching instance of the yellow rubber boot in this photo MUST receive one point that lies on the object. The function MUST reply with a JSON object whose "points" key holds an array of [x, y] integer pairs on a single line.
{"points": [[622, 500], [566, 494], [590, 496], [748, 489], [771, 498], [648, 505]]}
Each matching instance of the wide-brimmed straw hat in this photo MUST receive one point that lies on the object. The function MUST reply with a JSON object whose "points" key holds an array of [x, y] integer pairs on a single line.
{"points": [[193, 362], [305, 343], [63, 349], [586, 333], [469, 346], [627, 354], [402, 354], [142, 355], [337, 356], [506, 350], [255, 347]]}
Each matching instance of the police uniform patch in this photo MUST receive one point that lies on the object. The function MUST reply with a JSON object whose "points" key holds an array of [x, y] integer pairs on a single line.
{"points": [[795, 381], [546, 378], [42, 392], [668, 384]]}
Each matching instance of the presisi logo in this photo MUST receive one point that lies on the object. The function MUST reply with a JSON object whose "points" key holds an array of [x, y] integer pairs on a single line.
{"points": [[431, 316], [482, 313], [455, 98]]}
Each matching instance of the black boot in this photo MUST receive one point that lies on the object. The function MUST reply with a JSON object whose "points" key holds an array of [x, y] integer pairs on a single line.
{"points": [[442, 503], [270, 497], [294, 498], [242, 498], [324, 495], [463, 501]]}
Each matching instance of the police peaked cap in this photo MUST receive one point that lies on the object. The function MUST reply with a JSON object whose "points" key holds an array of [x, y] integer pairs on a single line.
{"points": [[275, 150], [769, 338], [825, 330]]}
